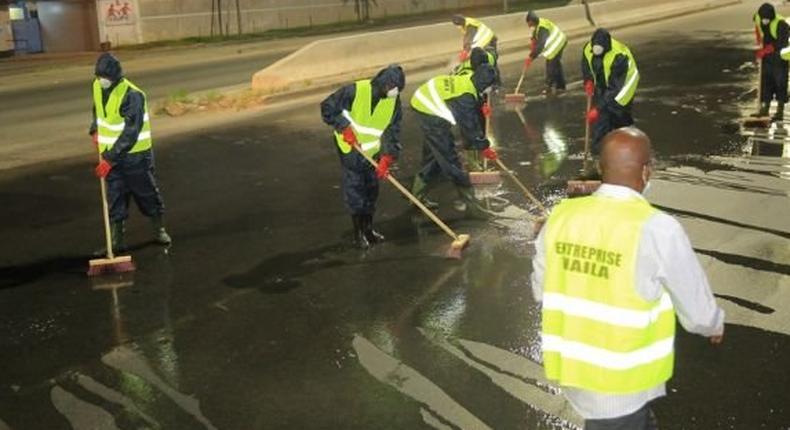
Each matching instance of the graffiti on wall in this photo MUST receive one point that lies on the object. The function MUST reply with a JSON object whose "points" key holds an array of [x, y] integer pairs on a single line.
{"points": [[118, 12]]}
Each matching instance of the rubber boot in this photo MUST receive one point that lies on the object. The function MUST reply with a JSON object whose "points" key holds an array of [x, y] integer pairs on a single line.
{"points": [[473, 207], [473, 161], [360, 241], [371, 235], [763, 112], [117, 231], [160, 234], [780, 113], [419, 190]]}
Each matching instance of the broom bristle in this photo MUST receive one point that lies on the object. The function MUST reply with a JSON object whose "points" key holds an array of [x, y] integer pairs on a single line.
{"points": [[763, 122], [457, 247], [103, 266], [515, 98], [480, 178]]}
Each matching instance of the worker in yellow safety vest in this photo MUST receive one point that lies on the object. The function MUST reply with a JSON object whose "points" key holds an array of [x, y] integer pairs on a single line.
{"points": [[772, 32], [441, 103], [121, 130], [477, 35], [549, 41], [610, 78], [366, 117], [611, 271]]}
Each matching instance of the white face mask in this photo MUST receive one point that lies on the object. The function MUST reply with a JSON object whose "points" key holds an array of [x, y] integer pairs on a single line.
{"points": [[393, 93], [597, 49], [105, 83], [765, 21]]}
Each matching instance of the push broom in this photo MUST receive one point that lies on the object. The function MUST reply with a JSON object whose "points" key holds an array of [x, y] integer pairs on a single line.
{"points": [[460, 241], [584, 187], [112, 263], [516, 97], [758, 122]]}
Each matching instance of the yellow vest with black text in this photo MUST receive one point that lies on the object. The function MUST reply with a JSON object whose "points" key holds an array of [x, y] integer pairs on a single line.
{"points": [[431, 97], [368, 125], [598, 333], [556, 40], [628, 91], [483, 36], [110, 123]]}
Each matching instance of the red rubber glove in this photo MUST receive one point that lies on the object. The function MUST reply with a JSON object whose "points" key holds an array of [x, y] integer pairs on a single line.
{"points": [[589, 88], [95, 138], [489, 153], [463, 56], [766, 50], [103, 169], [383, 169], [350, 137], [527, 62], [486, 110], [592, 115]]}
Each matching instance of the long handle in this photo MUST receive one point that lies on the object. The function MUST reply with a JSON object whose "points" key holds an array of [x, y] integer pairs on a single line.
{"points": [[587, 130], [759, 83], [411, 197], [521, 79], [521, 185], [106, 215]]}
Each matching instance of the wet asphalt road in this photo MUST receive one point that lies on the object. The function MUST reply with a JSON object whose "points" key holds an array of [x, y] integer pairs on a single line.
{"points": [[260, 316]]}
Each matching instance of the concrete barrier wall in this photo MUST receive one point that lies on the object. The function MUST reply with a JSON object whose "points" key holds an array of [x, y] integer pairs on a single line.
{"points": [[175, 19], [352, 57]]}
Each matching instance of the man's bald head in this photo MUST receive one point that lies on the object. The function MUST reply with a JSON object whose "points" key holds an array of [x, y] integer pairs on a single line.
{"points": [[625, 158]]}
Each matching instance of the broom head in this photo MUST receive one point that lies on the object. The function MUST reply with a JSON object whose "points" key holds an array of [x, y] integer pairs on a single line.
{"points": [[457, 247], [118, 264]]}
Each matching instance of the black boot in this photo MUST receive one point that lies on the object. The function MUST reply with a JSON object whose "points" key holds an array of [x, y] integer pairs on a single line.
{"points": [[360, 241], [117, 231], [780, 113], [160, 234], [371, 235], [420, 190], [763, 112]]}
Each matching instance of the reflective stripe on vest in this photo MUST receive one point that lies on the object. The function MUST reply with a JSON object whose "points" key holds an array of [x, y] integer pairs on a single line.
{"points": [[556, 40], [598, 333], [628, 91], [483, 36], [110, 123], [431, 97], [368, 126]]}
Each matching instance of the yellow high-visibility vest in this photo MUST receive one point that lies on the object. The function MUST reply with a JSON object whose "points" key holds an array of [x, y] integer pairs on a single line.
{"points": [[556, 40], [598, 333], [628, 91], [431, 97], [110, 123], [368, 126]]}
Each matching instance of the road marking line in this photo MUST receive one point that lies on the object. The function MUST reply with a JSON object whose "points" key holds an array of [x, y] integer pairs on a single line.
{"points": [[408, 381]]}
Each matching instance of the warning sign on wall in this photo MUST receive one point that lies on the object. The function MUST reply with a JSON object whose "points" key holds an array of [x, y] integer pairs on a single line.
{"points": [[117, 12]]}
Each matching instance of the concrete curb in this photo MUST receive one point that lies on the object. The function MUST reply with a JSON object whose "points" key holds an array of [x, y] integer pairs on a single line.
{"points": [[331, 61]]}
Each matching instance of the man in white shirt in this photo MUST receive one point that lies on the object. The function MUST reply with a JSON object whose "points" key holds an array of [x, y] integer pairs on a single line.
{"points": [[612, 272]]}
